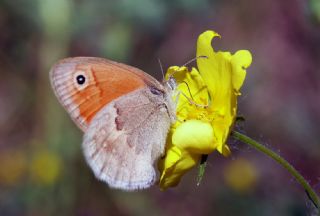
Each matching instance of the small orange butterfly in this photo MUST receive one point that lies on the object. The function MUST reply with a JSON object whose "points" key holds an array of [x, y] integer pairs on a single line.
{"points": [[125, 115]]}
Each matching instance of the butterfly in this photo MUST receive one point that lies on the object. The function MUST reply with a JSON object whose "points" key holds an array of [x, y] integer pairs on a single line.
{"points": [[125, 115]]}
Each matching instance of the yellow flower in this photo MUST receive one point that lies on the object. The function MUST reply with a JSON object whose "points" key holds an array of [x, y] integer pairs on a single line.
{"points": [[202, 129]]}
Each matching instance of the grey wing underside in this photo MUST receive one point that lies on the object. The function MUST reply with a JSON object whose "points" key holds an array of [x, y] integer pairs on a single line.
{"points": [[125, 139]]}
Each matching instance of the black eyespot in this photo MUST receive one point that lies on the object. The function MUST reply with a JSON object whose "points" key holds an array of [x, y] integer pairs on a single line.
{"points": [[81, 79], [155, 91]]}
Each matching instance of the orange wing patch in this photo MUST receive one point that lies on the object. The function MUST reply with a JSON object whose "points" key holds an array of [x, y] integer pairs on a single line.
{"points": [[106, 81]]}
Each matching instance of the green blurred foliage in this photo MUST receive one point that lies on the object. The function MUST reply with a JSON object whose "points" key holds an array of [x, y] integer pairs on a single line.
{"points": [[315, 8]]}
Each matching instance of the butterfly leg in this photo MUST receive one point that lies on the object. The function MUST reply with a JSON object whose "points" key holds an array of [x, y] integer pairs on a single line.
{"points": [[194, 103]]}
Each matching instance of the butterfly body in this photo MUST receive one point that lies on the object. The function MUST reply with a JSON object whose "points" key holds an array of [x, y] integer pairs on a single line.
{"points": [[125, 115]]}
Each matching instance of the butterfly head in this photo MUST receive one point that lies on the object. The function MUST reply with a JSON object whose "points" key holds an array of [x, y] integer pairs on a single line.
{"points": [[171, 83]]}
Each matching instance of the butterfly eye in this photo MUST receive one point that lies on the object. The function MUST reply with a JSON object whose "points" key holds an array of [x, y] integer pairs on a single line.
{"points": [[155, 91], [80, 80]]}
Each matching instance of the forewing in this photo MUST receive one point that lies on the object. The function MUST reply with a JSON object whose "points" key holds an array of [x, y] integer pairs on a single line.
{"points": [[105, 81], [124, 140]]}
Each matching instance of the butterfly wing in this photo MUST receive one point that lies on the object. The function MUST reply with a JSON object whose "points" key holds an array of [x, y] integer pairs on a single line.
{"points": [[124, 112], [126, 137], [84, 85]]}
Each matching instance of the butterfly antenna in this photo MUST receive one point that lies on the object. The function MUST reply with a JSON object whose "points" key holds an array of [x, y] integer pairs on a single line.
{"points": [[188, 62], [161, 68], [195, 58], [188, 89]]}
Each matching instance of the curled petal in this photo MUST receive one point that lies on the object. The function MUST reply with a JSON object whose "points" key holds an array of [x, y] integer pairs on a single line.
{"points": [[240, 61], [212, 67]]}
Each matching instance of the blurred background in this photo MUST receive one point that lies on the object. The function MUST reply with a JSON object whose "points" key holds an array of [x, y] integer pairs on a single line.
{"points": [[42, 169]]}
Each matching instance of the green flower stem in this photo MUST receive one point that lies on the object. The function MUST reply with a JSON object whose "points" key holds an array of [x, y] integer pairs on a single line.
{"points": [[303, 182]]}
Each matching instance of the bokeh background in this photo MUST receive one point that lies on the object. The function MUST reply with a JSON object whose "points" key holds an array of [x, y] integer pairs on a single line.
{"points": [[42, 169]]}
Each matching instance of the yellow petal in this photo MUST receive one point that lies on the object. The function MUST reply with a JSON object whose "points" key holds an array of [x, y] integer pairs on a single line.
{"points": [[223, 74], [171, 175], [240, 61], [194, 136], [225, 151], [190, 140], [210, 67], [190, 87], [190, 83], [173, 155]]}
